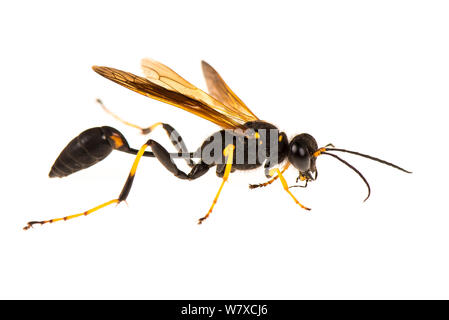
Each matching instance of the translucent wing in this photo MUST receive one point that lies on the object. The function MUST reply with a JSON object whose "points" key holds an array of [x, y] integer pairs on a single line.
{"points": [[172, 89], [220, 91], [160, 74]]}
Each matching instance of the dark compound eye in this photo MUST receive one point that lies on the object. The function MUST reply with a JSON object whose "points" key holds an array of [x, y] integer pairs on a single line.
{"points": [[299, 156]]}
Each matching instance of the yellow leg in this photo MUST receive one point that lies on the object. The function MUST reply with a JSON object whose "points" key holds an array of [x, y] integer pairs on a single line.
{"points": [[85, 213], [228, 153], [253, 186], [285, 186], [122, 197]]}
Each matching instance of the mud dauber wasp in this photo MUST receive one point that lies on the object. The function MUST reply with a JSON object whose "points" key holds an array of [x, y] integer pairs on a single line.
{"points": [[245, 142]]}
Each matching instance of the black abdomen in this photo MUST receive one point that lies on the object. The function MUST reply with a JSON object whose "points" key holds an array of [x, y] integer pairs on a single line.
{"points": [[82, 152]]}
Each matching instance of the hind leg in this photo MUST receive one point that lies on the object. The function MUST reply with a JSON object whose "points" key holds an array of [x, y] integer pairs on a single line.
{"points": [[162, 155], [166, 160], [173, 135]]}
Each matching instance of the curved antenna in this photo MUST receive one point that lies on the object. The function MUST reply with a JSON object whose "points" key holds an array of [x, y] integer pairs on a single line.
{"points": [[350, 166], [369, 157]]}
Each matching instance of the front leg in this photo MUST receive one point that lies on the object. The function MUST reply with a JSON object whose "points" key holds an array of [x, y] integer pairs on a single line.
{"points": [[285, 186], [166, 160], [268, 175]]}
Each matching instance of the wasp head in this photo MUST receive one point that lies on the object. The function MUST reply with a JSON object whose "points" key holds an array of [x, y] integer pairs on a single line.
{"points": [[302, 155]]}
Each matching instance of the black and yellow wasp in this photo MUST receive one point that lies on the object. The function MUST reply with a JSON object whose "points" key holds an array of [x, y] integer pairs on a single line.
{"points": [[245, 142]]}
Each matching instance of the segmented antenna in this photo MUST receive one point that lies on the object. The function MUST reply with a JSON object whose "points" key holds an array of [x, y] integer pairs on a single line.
{"points": [[369, 157]]}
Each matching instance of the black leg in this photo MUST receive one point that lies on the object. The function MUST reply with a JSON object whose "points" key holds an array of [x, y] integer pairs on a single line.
{"points": [[175, 139], [164, 157], [173, 135], [267, 168], [178, 143]]}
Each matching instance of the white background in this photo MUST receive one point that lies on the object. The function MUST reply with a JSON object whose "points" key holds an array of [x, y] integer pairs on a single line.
{"points": [[370, 76]]}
